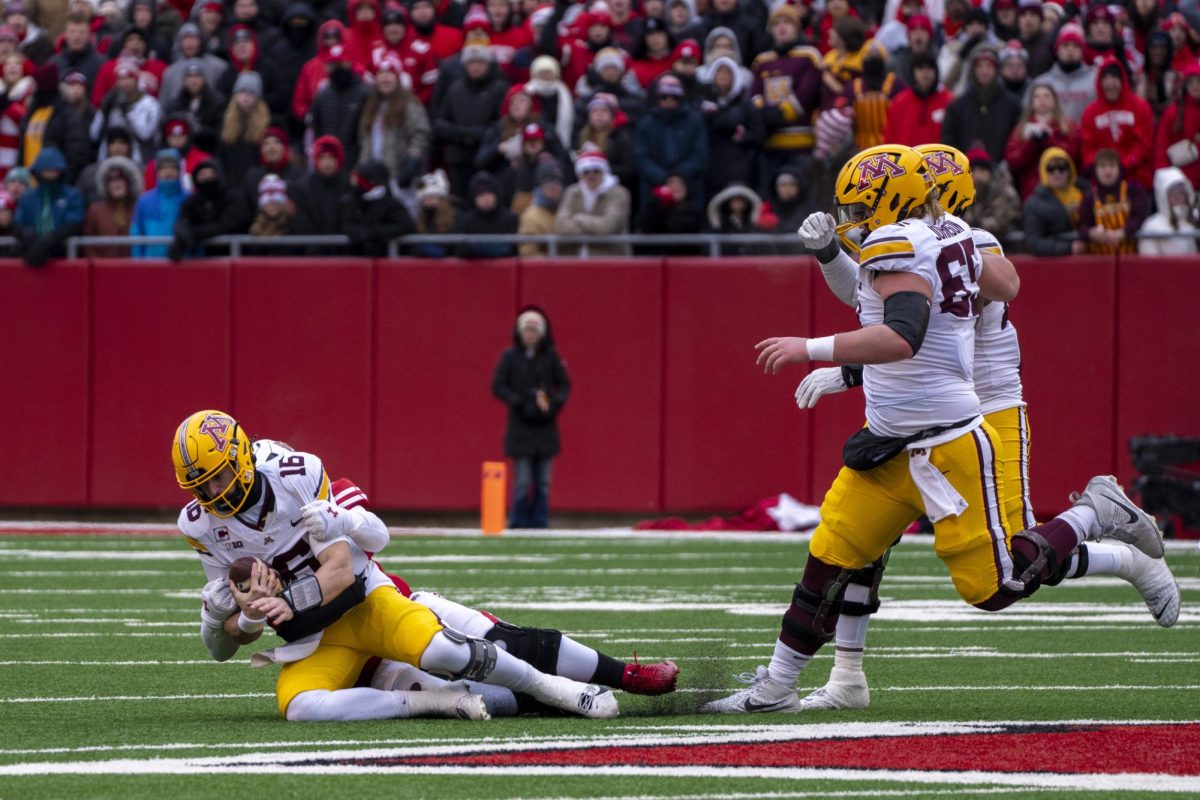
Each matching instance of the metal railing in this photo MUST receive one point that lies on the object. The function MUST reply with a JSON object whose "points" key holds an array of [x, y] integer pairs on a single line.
{"points": [[709, 244]]}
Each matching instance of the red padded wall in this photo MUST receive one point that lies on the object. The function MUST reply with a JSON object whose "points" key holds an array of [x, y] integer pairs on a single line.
{"points": [[441, 328], [384, 370], [607, 320], [733, 434], [44, 403], [301, 333], [1064, 318], [1158, 353], [161, 334]]}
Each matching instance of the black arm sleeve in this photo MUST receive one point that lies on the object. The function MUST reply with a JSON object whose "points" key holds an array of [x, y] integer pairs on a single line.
{"points": [[852, 375], [322, 617], [907, 313]]}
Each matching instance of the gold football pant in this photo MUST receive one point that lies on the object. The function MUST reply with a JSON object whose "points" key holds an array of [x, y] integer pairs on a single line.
{"points": [[1012, 426], [864, 512], [387, 624]]}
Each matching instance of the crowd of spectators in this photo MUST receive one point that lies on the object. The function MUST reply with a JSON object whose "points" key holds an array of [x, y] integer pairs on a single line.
{"points": [[190, 119]]}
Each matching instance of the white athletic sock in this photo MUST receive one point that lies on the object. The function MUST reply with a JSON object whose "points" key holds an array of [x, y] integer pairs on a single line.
{"points": [[851, 638], [787, 664], [1082, 520], [348, 705], [1103, 559], [576, 661]]}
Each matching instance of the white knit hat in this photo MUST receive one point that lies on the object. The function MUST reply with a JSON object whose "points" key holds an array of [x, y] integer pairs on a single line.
{"points": [[532, 319]]}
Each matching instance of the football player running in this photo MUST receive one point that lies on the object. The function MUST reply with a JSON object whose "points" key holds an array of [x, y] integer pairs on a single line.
{"points": [[925, 448], [333, 606], [997, 374]]}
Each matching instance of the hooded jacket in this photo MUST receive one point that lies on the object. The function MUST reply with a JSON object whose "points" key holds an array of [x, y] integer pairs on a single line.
{"points": [[1125, 125], [1046, 218], [108, 218], [155, 215], [981, 114], [1180, 121], [212, 66], [296, 44], [474, 221], [1167, 220], [914, 119], [106, 78], [531, 432], [212, 209], [671, 141], [465, 113], [50, 213], [735, 129], [312, 74]]}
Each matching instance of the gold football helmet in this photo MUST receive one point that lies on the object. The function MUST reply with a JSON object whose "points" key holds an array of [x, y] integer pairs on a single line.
{"points": [[951, 175], [205, 444], [877, 187]]}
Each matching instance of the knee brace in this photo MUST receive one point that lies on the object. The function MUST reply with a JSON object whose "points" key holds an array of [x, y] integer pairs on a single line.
{"points": [[1031, 571], [535, 646], [481, 659], [868, 577], [811, 620]]}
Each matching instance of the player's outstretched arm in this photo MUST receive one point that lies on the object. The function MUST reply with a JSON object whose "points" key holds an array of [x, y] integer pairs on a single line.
{"points": [[325, 520]]}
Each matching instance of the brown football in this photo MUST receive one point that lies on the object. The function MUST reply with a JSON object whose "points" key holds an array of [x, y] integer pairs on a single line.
{"points": [[239, 572]]}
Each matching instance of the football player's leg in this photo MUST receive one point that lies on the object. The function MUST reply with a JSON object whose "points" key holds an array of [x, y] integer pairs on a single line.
{"points": [[551, 651], [392, 626], [860, 517], [398, 676], [1013, 446], [847, 684], [320, 688]]}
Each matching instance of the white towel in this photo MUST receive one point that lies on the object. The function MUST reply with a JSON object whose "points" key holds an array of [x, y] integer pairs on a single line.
{"points": [[941, 498], [287, 653]]}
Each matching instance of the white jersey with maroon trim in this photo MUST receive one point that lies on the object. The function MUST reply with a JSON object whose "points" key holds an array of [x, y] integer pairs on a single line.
{"points": [[272, 530], [935, 387], [997, 352]]}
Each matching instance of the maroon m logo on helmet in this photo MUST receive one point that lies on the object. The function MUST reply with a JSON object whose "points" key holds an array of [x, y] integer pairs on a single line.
{"points": [[876, 167], [941, 163], [217, 429]]}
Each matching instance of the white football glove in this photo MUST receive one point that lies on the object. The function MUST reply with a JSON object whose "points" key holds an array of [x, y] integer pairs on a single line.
{"points": [[325, 520], [218, 600], [817, 231], [817, 384]]}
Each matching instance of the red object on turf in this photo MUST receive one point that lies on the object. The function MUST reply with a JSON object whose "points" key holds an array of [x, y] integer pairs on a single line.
{"points": [[649, 678]]}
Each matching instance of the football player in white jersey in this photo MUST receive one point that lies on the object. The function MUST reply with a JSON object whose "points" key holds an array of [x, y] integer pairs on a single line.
{"points": [[997, 377], [925, 448], [337, 608]]}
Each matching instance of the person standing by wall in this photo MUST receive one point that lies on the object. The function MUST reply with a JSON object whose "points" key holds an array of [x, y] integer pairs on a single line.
{"points": [[531, 379]]}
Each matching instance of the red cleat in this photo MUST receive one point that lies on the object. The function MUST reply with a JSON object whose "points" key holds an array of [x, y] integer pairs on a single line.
{"points": [[649, 678]]}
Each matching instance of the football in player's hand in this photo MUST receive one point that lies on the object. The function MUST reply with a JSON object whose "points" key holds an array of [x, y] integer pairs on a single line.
{"points": [[240, 571]]}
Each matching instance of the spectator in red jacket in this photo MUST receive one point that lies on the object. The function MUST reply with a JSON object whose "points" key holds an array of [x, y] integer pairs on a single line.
{"points": [[1043, 124], [589, 34], [134, 44], [364, 33], [1182, 41], [414, 55], [331, 35], [916, 113], [443, 40], [652, 54], [1178, 136], [504, 30], [1118, 120]]}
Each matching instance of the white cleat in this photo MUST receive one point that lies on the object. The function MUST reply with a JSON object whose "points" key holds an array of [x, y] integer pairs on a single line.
{"points": [[846, 689], [453, 701], [585, 699], [765, 694], [1119, 517], [1152, 577]]}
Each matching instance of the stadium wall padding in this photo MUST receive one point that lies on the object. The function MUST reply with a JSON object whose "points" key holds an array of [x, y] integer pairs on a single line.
{"points": [[383, 368]]}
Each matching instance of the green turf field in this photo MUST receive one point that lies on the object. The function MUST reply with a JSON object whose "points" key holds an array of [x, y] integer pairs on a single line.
{"points": [[107, 691]]}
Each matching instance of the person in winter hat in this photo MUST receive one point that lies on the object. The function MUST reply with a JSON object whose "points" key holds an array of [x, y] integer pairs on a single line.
{"points": [[50, 213], [1177, 216], [371, 216], [118, 186], [274, 217], [531, 380]]}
